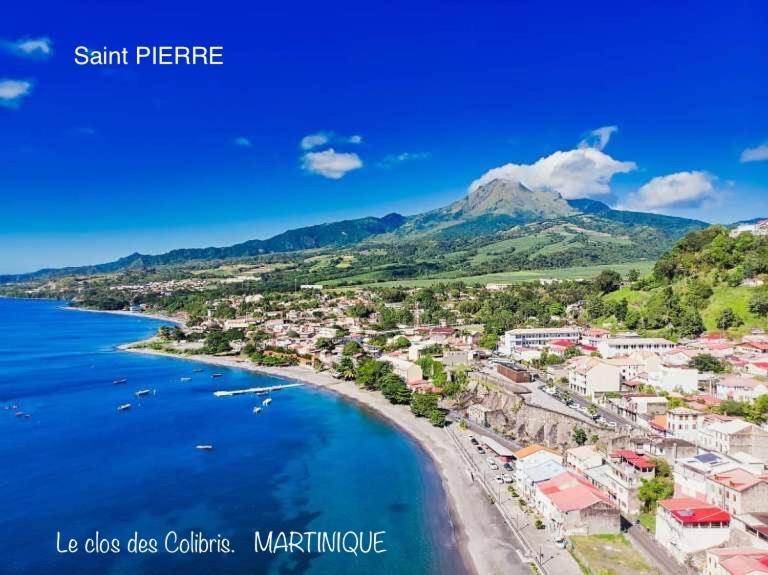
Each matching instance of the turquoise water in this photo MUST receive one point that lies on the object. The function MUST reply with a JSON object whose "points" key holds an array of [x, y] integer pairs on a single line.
{"points": [[309, 461]]}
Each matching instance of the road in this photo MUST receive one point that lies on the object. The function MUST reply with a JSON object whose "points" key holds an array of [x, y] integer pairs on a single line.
{"points": [[643, 541], [537, 544]]}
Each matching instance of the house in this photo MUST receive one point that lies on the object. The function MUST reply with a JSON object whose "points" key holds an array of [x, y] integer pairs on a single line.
{"points": [[572, 506], [736, 561], [535, 468], [738, 491], [411, 372], [667, 448], [684, 423], [750, 530], [740, 388], [592, 336], [674, 379], [627, 470], [730, 437], [611, 347], [758, 368], [580, 459], [537, 337], [478, 414], [685, 526], [690, 474], [591, 376], [754, 346]]}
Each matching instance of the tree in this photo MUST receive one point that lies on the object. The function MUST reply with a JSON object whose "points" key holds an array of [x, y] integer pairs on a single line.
{"points": [[324, 343], [352, 348], [394, 389], [728, 319], [608, 281], [579, 436], [489, 341], [707, 362], [654, 490], [436, 417], [633, 275], [423, 403], [758, 304], [370, 373], [401, 342], [345, 369]]}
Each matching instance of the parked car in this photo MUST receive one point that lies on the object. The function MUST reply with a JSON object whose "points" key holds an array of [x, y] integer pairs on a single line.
{"points": [[480, 450], [561, 542], [499, 479], [507, 478], [493, 466]]}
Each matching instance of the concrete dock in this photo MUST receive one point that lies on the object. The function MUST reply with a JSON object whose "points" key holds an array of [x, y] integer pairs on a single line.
{"points": [[255, 390]]}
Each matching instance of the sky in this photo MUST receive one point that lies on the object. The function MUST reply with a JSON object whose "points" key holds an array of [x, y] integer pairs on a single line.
{"points": [[328, 111]]}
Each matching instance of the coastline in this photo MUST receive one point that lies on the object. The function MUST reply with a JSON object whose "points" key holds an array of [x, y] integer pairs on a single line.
{"points": [[157, 316], [483, 538]]}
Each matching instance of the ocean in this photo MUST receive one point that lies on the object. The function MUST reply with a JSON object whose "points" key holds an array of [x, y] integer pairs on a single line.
{"points": [[74, 468]]}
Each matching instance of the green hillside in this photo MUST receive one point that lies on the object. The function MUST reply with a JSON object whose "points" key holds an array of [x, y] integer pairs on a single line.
{"points": [[708, 280]]}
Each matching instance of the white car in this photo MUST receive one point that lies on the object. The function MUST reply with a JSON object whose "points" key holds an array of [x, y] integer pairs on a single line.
{"points": [[493, 466], [499, 479], [610, 423], [507, 478]]}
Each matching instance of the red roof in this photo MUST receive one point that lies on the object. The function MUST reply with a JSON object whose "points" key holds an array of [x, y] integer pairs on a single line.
{"points": [[634, 459], [692, 511], [589, 348], [569, 492], [562, 343]]}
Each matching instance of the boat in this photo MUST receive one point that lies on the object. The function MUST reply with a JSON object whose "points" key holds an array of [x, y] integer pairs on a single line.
{"points": [[197, 370], [217, 375], [119, 381], [267, 401], [124, 407], [204, 447], [256, 410], [262, 392], [183, 379], [143, 392]]}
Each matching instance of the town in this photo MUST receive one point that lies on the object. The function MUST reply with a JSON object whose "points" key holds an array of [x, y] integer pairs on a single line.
{"points": [[592, 425]]}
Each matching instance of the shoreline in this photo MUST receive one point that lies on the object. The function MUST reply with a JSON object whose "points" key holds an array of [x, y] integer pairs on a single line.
{"points": [[140, 314], [483, 538]]}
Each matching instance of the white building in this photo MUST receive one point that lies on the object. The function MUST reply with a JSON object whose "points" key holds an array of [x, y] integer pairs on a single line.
{"points": [[675, 379], [614, 346], [538, 337], [591, 376], [685, 526]]}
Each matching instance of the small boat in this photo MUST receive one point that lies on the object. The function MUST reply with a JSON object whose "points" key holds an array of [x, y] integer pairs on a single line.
{"points": [[262, 392], [204, 447], [124, 407], [198, 370], [184, 379], [256, 410], [119, 381], [142, 392], [267, 401], [217, 375], [21, 414]]}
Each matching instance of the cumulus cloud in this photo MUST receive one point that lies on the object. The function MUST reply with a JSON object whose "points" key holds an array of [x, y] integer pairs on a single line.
{"points": [[678, 190], [243, 142], [756, 154], [314, 140], [599, 137], [12, 92], [331, 164], [30, 47], [579, 173], [392, 160], [355, 139]]}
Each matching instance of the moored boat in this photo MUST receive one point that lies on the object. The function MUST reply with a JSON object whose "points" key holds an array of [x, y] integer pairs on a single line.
{"points": [[267, 401], [119, 381], [124, 407], [183, 379], [143, 392], [256, 410], [217, 375], [204, 447]]}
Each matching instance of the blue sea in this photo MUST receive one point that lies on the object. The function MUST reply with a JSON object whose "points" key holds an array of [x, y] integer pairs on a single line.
{"points": [[75, 466]]}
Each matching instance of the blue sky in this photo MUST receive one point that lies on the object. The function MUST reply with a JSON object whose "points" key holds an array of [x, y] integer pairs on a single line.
{"points": [[410, 104]]}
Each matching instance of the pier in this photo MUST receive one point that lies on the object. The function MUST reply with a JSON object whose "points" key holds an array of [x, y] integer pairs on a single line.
{"points": [[255, 390]]}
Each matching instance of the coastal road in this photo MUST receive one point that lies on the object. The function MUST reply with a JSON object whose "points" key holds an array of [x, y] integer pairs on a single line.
{"points": [[534, 544]]}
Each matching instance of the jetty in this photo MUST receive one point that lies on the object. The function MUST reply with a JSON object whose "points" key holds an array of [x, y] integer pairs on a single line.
{"points": [[255, 390]]}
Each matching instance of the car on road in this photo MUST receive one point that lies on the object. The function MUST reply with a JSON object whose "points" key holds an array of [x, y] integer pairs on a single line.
{"points": [[480, 450], [561, 542], [493, 466], [499, 479], [610, 423], [507, 478]]}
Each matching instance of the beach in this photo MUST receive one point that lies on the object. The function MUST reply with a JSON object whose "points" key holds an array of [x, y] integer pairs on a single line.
{"points": [[485, 541]]}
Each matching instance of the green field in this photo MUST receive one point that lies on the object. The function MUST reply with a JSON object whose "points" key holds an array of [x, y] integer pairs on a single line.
{"points": [[573, 273], [608, 555], [736, 298]]}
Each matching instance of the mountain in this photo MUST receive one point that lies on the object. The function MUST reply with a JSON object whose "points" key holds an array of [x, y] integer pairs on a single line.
{"points": [[499, 226]]}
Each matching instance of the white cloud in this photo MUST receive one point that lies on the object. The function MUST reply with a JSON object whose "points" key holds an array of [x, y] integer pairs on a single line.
{"points": [[756, 154], [331, 164], [30, 47], [13, 91], [243, 142], [599, 137], [392, 160], [678, 190], [314, 140], [579, 173], [355, 139]]}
